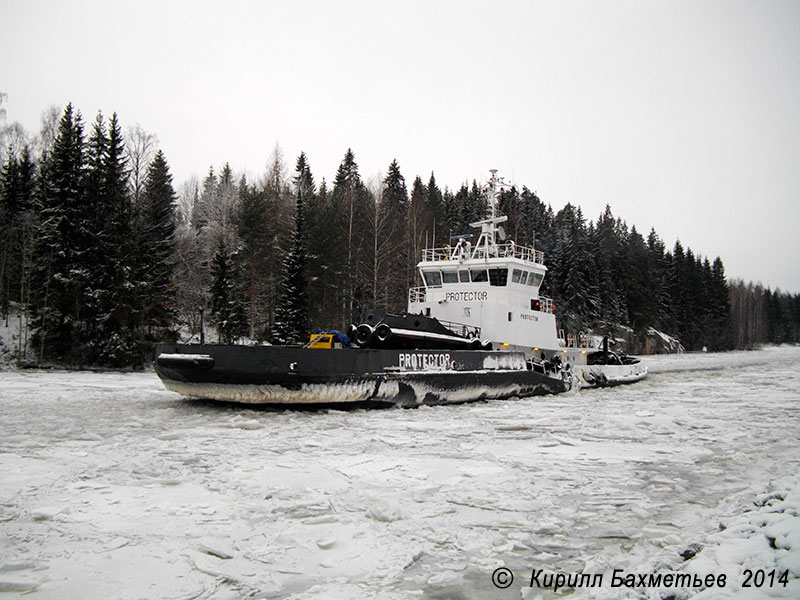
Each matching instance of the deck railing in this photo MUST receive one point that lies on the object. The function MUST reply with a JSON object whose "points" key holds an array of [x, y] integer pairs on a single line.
{"points": [[546, 304], [508, 250], [462, 329], [581, 340], [416, 294]]}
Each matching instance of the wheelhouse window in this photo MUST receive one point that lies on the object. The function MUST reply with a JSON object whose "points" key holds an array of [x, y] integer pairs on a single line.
{"points": [[432, 278], [449, 276], [515, 275], [498, 277], [463, 276], [479, 275], [524, 278], [535, 279]]}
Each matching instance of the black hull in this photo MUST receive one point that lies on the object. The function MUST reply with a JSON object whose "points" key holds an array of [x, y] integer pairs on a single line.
{"points": [[281, 375]]}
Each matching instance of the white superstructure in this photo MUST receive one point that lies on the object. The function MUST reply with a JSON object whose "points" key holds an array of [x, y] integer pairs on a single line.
{"points": [[492, 285]]}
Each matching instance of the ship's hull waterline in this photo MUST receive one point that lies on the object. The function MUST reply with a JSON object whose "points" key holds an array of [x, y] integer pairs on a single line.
{"points": [[302, 376]]}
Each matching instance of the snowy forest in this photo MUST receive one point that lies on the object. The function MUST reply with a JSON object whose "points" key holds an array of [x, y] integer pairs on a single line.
{"points": [[101, 255]]}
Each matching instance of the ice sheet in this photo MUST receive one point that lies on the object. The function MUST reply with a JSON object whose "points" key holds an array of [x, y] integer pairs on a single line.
{"points": [[111, 486]]}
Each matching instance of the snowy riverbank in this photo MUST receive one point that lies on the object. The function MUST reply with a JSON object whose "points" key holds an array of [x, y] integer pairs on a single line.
{"points": [[112, 487], [758, 549]]}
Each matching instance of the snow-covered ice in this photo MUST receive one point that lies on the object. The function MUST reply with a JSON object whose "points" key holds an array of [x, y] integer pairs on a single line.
{"points": [[112, 487]]}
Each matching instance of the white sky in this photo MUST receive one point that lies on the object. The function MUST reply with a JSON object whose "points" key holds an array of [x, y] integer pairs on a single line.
{"points": [[684, 115]]}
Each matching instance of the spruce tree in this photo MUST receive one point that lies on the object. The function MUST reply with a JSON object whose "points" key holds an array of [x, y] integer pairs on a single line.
{"points": [[457, 212], [607, 250], [692, 283], [118, 267], [392, 242], [227, 309], [721, 336], [571, 272], [11, 211], [349, 200], [7, 212], [395, 193], [638, 283], [156, 225], [657, 263], [255, 226], [578, 302], [61, 276], [418, 220], [555, 242], [437, 213], [535, 219], [204, 202], [291, 311], [101, 254], [323, 239], [26, 226], [96, 149], [682, 287]]}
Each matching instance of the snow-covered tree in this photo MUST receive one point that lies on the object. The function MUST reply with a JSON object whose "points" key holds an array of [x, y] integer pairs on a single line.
{"points": [[227, 309], [639, 283], [18, 217], [391, 247], [416, 225], [608, 252], [116, 268], [291, 312], [439, 221], [351, 204], [61, 277], [156, 229], [578, 303]]}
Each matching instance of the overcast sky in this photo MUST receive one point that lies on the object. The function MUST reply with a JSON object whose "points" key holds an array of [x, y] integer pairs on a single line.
{"points": [[682, 115]]}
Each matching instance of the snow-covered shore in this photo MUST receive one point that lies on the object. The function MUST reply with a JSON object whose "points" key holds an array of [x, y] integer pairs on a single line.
{"points": [[111, 486], [758, 549]]}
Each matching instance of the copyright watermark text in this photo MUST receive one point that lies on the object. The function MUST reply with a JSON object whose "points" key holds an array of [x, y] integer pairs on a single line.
{"points": [[503, 577]]}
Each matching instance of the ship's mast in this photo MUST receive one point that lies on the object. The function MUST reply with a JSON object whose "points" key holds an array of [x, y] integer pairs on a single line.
{"points": [[487, 243]]}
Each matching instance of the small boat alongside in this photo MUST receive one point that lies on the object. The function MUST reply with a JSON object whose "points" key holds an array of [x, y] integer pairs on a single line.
{"points": [[603, 368]]}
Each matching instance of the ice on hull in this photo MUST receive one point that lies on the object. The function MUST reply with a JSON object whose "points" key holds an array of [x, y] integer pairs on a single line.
{"points": [[345, 393], [276, 375], [408, 392]]}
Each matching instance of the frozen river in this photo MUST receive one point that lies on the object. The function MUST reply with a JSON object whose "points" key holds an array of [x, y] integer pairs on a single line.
{"points": [[112, 487]]}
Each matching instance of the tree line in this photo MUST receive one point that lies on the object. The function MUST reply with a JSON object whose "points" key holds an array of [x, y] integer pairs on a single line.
{"points": [[103, 257], [86, 255]]}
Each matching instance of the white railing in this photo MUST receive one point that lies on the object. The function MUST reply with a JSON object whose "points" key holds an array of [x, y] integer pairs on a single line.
{"points": [[416, 294], [546, 304], [582, 340], [467, 331], [508, 250]]}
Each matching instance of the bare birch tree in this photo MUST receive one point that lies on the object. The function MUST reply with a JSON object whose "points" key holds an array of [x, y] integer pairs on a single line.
{"points": [[47, 130], [380, 226], [140, 148]]}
